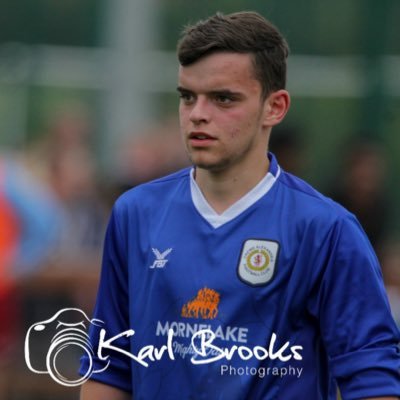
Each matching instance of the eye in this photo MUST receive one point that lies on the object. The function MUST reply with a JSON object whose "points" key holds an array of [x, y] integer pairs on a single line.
{"points": [[223, 99], [186, 97]]}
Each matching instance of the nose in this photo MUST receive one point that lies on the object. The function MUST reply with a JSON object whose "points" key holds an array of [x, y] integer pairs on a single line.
{"points": [[200, 112]]}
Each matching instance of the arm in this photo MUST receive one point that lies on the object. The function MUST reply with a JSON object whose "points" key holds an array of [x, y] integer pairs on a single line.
{"points": [[356, 326], [112, 313], [96, 390]]}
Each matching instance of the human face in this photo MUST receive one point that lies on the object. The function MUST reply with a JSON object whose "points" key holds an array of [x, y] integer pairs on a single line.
{"points": [[221, 112]]}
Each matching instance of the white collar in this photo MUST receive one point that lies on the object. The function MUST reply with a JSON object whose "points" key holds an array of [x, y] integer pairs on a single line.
{"points": [[216, 220]]}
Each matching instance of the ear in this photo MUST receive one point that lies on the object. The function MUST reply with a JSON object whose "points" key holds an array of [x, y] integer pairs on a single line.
{"points": [[276, 106]]}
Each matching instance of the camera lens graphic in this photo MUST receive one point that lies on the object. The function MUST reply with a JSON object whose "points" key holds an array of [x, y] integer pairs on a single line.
{"points": [[69, 339]]}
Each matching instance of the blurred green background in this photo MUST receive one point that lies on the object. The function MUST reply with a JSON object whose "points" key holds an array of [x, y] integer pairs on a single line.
{"points": [[353, 42]]}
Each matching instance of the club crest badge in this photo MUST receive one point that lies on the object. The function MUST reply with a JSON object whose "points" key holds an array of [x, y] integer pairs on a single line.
{"points": [[257, 261]]}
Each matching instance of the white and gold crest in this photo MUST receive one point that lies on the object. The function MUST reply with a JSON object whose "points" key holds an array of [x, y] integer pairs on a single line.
{"points": [[257, 261]]}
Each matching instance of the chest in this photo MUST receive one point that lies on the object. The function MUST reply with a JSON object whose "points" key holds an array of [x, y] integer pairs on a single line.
{"points": [[246, 270]]}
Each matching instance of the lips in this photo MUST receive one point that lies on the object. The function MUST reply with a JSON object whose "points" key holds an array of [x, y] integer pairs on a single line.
{"points": [[201, 140], [200, 136]]}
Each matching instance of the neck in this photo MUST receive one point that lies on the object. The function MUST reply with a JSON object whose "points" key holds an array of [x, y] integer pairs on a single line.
{"points": [[224, 188]]}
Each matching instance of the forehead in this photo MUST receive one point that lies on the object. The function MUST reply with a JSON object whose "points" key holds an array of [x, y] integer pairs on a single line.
{"points": [[220, 70]]}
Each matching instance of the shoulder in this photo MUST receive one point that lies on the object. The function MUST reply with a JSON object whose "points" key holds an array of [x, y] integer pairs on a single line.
{"points": [[308, 196], [310, 208]]}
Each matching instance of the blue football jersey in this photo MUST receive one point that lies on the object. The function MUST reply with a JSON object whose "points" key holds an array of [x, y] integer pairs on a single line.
{"points": [[279, 297]]}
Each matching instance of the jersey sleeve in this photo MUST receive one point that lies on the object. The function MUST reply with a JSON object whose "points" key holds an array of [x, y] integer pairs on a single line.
{"points": [[111, 313], [359, 333]]}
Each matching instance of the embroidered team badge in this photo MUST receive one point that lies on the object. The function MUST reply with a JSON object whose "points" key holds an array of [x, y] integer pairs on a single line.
{"points": [[257, 261], [160, 260]]}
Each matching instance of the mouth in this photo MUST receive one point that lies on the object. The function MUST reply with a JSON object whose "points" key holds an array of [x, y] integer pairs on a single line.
{"points": [[201, 139], [200, 136]]}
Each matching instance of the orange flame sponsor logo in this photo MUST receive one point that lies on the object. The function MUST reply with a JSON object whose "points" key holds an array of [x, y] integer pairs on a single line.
{"points": [[204, 305]]}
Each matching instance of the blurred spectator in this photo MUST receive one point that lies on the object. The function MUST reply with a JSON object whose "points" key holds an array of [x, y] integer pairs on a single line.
{"points": [[72, 178], [9, 237], [52, 223], [361, 187], [391, 274], [68, 129], [150, 154], [287, 146], [64, 158], [37, 212], [29, 222]]}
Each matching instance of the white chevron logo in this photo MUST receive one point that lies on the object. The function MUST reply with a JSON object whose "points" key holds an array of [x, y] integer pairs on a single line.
{"points": [[160, 260]]}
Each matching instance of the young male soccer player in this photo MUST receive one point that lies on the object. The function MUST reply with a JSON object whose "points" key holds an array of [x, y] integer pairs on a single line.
{"points": [[233, 279]]}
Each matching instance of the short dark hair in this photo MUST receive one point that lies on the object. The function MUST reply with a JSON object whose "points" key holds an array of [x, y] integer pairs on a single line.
{"points": [[241, 32]]}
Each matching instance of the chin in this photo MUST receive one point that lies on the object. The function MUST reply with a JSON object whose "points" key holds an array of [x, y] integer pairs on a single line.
{"points": [[210, 166], [204, 161]]}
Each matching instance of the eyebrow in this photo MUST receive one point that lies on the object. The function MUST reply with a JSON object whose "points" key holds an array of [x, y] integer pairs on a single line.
{"points": [[222, 91], [181, 89]]}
